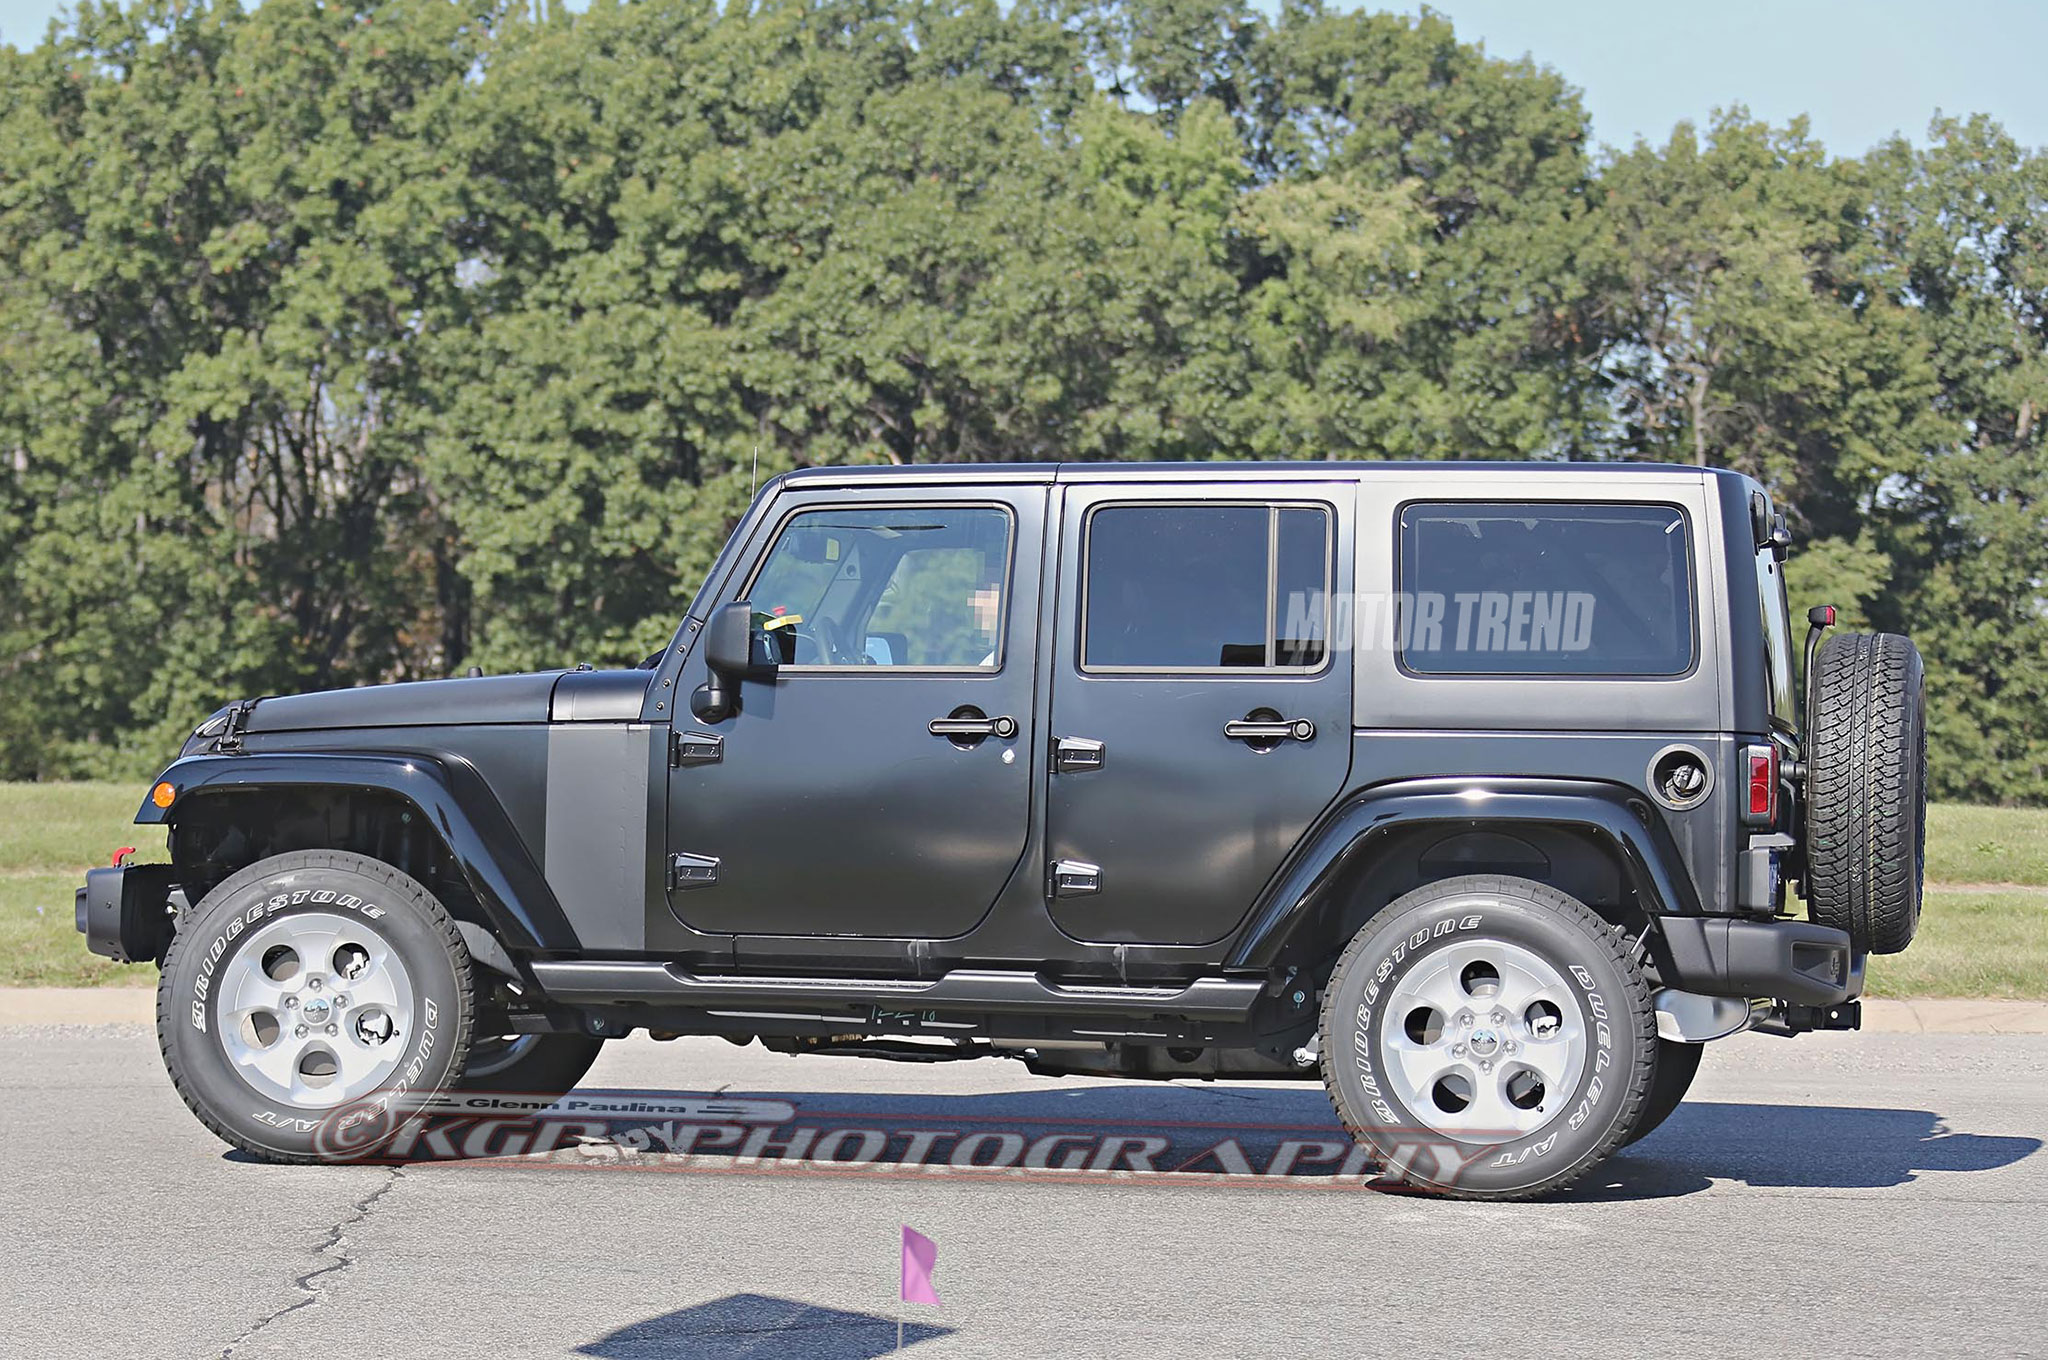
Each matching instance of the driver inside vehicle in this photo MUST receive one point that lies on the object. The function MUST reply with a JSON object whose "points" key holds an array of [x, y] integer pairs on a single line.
{"points": [[988, 615], [919, 588]]}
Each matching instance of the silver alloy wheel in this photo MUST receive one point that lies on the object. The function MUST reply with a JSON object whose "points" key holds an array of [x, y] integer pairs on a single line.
{"points": [[1483, 1041], [315, 1010]]}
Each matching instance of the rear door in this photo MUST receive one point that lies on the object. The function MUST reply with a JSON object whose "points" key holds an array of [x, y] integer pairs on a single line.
{"points": [[1200, 721]]}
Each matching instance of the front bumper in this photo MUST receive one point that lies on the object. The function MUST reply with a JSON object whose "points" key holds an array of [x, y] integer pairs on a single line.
{"points": [[1796, 962], [125, 913]]}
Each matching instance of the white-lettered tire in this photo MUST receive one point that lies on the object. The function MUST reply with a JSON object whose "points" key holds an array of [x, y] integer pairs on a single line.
{"points": [[308, 988], [1488, 1038]]}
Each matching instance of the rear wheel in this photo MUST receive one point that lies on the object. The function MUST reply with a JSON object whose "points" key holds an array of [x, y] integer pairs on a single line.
{"points": [[1488, 1038]]}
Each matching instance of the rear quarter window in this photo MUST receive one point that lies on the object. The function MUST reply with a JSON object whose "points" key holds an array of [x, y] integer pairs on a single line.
{"points": [[1546, 588], [1778, 674]]}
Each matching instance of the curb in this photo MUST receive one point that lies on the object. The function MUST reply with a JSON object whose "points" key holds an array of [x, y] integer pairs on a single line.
{"points": [[137, 1006], [1943, 1016], [77, 1006]]}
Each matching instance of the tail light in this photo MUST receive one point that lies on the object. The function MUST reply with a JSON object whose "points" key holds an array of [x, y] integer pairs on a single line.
{"points": [[1761, 764]]}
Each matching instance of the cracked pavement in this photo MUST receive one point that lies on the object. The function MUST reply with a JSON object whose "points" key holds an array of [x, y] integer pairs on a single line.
{"points": [[339, 1258], [1846, 1194]]}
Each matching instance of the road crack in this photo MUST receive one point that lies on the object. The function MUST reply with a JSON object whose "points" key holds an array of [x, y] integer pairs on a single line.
{"points": [[338, 1261]]}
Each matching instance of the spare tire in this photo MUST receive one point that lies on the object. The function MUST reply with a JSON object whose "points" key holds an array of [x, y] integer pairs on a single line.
{"points": [[1866, 789]]}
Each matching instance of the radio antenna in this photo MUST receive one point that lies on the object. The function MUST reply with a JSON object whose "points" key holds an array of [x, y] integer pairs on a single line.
{"points": [[754, 481]]}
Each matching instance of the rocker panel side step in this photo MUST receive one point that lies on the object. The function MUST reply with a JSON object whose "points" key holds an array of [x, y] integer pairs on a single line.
{"points": [[593, 983]]}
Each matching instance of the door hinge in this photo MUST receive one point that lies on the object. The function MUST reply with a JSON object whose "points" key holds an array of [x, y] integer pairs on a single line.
{"points": [[1074, 878], [1071, 755], [694, 748], [691, 871]]}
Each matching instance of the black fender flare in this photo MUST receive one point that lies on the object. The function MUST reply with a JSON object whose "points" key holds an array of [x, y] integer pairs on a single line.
{"points": [[1618, 816], [448, 792]]}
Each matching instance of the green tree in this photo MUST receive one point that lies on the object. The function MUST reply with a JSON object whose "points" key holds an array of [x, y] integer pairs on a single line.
{"points": [[343, 344], [222, 234], [1742, 332], [1960, 234]]}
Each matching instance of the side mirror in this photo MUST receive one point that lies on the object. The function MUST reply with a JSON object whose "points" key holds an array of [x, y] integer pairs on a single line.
{"points": [[734, 650]]}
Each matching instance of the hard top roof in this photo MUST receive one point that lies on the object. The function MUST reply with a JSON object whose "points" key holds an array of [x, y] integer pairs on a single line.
{"points": [[1148, 471]]}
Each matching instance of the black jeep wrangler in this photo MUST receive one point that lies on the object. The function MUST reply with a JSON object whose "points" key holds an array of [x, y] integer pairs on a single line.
{"points": [[1473, 790]]}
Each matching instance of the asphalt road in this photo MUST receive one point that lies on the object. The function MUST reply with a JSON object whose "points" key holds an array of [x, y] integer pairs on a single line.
{"points": [[1838, 1195]]}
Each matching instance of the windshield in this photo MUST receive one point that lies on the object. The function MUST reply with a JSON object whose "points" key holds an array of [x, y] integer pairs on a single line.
{"points": [[1770, 577]]}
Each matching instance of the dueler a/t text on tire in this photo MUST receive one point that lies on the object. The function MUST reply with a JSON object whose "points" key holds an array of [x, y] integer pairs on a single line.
{"points": [[1866, 789], [307, 999], [1489, 1038]]}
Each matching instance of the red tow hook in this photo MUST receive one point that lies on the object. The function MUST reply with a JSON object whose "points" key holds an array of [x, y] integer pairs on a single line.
{"points": [[123, 853]]}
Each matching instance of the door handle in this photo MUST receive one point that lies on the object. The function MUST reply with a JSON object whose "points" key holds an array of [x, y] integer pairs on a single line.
{"points": [[1004, 727], [1277, 729]]}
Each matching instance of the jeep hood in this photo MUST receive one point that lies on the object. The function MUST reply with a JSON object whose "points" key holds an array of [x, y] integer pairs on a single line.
{"points": [[539, 697], [416, 703]]}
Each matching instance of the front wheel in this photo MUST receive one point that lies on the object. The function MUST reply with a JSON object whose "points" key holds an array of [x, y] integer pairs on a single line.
{"points": [[308, 998], [1488, 1038], [1676, 1065]]}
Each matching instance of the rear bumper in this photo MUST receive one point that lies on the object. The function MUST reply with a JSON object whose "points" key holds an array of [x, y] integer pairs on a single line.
{"points": [[1791, 961], [125, 913]]}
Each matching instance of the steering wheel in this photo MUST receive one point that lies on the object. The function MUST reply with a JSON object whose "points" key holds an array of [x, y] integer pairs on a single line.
{"points": [[821, 640]]}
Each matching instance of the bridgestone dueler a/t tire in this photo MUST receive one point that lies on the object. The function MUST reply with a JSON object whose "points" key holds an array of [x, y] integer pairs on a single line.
{"points": [[403, 914], [1605, 988], [1866, 790]]}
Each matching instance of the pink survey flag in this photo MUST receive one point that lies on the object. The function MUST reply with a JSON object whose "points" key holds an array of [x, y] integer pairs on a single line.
{"points": [[920, 1255]]}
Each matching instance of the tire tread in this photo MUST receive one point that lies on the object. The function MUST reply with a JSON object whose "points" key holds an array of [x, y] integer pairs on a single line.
{"points": [[412, 893], [1599, 933], [1866, 790]]}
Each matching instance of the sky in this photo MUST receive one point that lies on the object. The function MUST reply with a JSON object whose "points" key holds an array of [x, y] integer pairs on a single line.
{"points": [[1860, 69]]}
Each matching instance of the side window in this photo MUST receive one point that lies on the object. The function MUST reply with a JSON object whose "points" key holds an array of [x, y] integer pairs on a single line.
{"points": [[1784, 683], [917, 586], [1206, 587], [1541, 588]]}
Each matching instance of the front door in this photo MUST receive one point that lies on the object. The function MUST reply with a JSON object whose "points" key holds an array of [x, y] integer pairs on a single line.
{"points": [[1200, 722], [878, 785]]}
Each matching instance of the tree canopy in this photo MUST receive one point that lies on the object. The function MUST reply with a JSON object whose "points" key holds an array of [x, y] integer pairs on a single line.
{"points": [[347, 343]]}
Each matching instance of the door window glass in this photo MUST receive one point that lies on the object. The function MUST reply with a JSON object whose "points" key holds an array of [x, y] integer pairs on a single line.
{"points": [[917, 586], [1206, 587]]}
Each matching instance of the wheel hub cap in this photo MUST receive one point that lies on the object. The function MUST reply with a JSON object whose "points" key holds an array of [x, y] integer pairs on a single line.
{"points": [[1483, 1041], [282, 1001]]}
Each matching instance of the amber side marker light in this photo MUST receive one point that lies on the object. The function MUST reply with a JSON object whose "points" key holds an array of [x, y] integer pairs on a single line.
{"points": [[163, 795]]}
